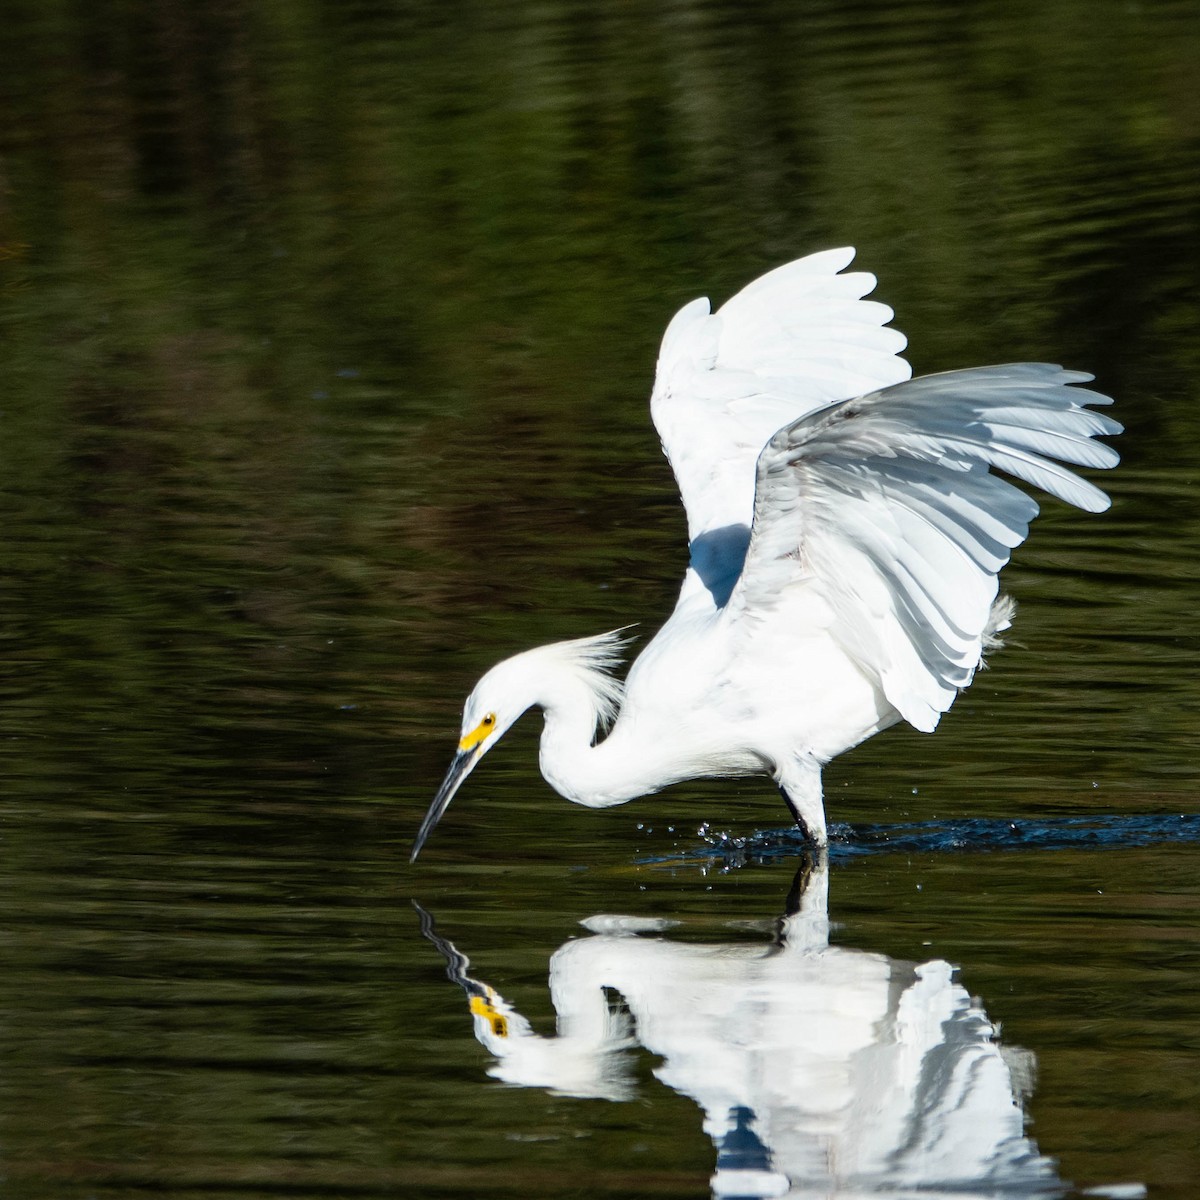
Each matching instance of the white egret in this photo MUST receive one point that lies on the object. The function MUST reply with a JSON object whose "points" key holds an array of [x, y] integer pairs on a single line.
{"points": [[845, 531]]}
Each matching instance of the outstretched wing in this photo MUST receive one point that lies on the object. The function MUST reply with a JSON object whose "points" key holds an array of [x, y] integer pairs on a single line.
{"points": [[795, 340], [888, 505]]}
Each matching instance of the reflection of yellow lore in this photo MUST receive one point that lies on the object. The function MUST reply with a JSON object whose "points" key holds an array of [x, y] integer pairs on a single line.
{"points": [[484, 1008], [817, 1067]]}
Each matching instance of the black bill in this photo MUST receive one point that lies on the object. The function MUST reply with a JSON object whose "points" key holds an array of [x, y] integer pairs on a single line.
{"points": [[460, 768]]}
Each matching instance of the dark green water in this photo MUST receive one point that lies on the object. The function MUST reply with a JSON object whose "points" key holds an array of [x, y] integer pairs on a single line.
{"points": [[326, 333]]}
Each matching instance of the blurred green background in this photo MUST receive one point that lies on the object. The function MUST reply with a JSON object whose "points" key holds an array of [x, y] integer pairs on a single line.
{"points": [[323, 317], [326, 338]]}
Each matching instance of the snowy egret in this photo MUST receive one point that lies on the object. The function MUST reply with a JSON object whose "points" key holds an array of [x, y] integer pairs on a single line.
{"points": [[845, 531]]}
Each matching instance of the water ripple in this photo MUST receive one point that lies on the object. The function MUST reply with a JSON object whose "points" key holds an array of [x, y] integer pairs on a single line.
{"points": [[1109, 832]]}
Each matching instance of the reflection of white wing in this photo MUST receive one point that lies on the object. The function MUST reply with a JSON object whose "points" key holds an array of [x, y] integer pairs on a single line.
{"points": [[887, 507], [829, 1069], [820, 1069], [795, 340], [940, 1098]]}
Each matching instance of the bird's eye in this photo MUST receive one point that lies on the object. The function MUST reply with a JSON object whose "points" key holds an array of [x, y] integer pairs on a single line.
{"points": [[490, 720]]}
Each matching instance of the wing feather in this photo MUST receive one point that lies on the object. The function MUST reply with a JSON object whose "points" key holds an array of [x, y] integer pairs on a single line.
{"points": [[795, 340], [889, 506]]}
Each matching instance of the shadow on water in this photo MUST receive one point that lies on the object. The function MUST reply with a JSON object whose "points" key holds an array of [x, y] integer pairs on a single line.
{"points": [[963, 835], [819, 1068]]}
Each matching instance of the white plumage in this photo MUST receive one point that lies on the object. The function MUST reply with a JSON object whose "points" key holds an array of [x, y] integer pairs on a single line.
{"points": [[846, 526]]}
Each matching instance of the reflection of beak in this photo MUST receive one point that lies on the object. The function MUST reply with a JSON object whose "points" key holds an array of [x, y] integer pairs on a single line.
{"points": [[460, 768]]}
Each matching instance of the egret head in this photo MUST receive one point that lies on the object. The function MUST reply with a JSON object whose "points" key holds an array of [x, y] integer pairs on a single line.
{"points": [[562, 674], [499, 698]]}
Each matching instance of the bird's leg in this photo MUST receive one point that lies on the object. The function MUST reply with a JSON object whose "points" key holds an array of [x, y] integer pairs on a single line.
{"points": [[798, 816], [800, 785]]}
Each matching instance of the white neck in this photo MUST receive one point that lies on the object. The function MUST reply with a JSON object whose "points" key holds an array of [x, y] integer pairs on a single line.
{"points": [[594, 775]]}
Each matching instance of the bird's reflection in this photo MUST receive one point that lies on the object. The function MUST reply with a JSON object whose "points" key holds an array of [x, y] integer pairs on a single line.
{"points": [[820, 1069]]}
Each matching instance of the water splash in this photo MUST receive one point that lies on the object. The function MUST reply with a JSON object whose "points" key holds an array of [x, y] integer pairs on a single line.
{"points": [[975, 834]]}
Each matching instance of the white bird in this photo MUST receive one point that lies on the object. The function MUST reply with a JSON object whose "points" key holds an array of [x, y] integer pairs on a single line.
{"points": [[845, 528]]}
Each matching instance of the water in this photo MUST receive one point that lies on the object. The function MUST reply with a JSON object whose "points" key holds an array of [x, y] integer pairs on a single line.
{"points": [[325, 336]]}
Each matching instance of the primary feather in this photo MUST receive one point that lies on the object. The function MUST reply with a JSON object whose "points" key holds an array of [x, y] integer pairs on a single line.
{"points": [[793, 341], [886, 506]]}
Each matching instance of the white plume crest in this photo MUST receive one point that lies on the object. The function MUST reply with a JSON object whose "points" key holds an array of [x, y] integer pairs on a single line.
{"points": [[592, 660]]}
